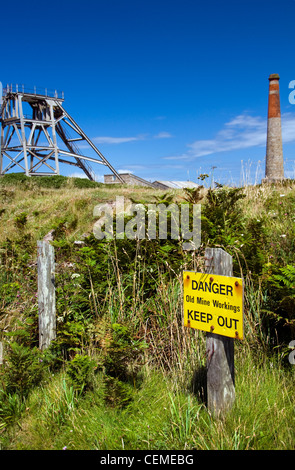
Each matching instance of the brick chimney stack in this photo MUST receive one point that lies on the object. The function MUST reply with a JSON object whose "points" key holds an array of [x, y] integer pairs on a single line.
{"points": [[274, 167]]}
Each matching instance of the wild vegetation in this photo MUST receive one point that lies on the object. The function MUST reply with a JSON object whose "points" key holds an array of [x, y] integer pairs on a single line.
{"points": [[123, 372]]}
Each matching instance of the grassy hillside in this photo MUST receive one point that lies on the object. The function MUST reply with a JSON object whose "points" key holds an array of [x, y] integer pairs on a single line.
{"points": [[123, 372]]}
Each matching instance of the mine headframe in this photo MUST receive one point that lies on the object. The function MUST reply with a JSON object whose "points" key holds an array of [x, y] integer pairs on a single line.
{"points": [[38, 135]]}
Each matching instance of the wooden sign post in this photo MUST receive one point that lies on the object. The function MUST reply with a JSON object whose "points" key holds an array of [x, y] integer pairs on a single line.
{"points": [[213, 302], [219, 349], [46, 294]]}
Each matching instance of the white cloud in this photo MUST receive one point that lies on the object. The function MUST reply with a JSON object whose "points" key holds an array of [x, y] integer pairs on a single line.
{"points": [[288, 127], [117, 140], [242, 132], [97, 177], [124, 171], [77, 175], [163, 135], [123, 140], [113, 140], [160, 118]]}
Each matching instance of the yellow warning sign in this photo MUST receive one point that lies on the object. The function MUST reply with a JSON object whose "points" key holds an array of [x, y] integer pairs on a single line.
{"points": [[213, 303]]}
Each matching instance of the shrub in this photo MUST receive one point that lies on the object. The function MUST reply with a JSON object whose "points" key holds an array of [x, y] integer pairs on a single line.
{"points": [[8, 292], [80, 372], [117, 393], [54, 181], [121, 355], [122, 352], [221, 216], [85, 183], [14, 179], [280, 306], [11, 408], [23, 369], [21, 220]]}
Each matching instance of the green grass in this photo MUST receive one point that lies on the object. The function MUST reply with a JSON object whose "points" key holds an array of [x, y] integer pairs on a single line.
{"points": [[162, 415], [50, 201], [140, 292], [166, 411]]}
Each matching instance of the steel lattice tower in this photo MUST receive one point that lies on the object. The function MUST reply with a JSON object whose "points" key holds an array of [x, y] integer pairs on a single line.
{"points": [[37, 134]]}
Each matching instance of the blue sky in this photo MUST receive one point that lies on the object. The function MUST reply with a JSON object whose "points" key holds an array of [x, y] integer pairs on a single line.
{"points": [[166, 89]]}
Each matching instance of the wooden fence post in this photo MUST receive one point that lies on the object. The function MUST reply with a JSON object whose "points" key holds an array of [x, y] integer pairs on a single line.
{"points": [[46, 294], [219, 349], [1, 353]]}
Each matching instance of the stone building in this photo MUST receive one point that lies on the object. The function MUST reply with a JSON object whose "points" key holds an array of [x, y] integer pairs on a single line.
{"points": [[128, 178]]}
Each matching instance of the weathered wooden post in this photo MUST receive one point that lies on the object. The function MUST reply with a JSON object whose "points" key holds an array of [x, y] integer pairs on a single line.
{"points": [[213, 302], [1, 353], [46, 294], [219, 348]]}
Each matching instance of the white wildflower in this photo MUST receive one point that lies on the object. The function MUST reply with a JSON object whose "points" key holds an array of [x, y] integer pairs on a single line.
{"points": [[73, 276]]}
